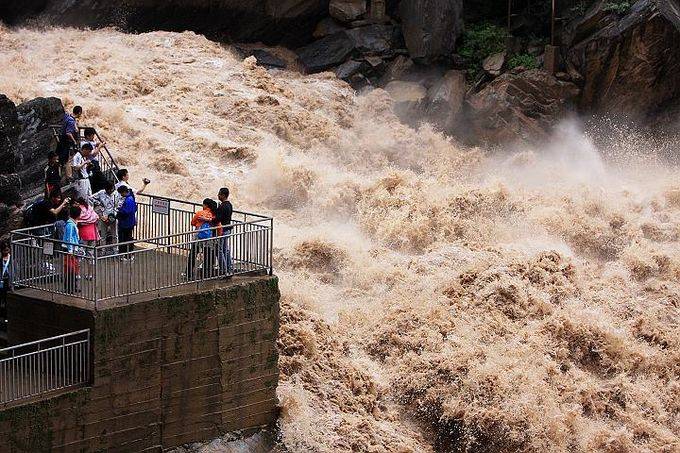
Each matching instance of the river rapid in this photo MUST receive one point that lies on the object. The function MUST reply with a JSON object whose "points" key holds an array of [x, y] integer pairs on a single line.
{"points": [[434, 297]]}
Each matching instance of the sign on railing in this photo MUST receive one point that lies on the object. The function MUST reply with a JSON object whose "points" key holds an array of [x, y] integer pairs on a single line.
{"points": [[44, 366]]}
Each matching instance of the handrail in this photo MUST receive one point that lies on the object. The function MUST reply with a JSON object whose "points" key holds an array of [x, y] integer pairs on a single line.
{"points": [[47, 365], [43, 340]]}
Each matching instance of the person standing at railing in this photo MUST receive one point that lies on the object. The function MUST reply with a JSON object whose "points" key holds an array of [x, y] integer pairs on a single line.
{"points": [[68, 139], [203, 222], [106, 203], [5, 281], [81, 171], [87, 230], [224, 213], [127, 220], [71, 259], [97, 177], [123, 176], [46, 210], [52, 173]]}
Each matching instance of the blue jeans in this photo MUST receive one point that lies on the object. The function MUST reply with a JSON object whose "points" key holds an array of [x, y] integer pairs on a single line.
{"points": [[224, 253]]}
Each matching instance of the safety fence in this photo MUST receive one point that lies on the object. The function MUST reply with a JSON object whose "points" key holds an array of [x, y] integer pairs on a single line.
{"points": [[167, 252], [44, 366]]}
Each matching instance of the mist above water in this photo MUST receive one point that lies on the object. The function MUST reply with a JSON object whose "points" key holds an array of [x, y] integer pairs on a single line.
{"points": [[434, 296]]}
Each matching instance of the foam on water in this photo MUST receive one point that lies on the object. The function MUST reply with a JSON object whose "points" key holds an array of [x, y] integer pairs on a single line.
{"points": [[433, 296]]}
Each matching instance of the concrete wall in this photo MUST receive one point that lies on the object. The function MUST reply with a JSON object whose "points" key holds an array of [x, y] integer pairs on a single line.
{"points": [[166, 372]]}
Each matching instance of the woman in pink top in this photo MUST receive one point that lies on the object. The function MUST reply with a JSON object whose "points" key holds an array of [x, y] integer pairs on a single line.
{"points": [[87, 224]]}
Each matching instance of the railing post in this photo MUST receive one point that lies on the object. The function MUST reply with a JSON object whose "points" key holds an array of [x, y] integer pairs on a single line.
{"points": [[95, 275]]}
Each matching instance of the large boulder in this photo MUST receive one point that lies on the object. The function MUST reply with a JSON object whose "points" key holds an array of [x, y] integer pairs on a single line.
{"points": [[630, 60], [375, 39], [36, 138], [431, 28], [445, 100], [9, 134], [520, 106], [325, 53], [10, 200], [271, 21], [347, 10]]}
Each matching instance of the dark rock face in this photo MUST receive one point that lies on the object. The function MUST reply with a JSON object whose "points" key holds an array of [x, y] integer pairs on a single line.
{"points": [[10, 198], [520, 106], [629, 63], [36, 138], [445, 101], [431, 28], [9, 134], [325, 53], [347, 10], [375, 39], [288, 22]]}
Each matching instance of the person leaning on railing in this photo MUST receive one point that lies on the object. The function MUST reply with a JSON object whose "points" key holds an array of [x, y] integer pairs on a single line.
{"points": [[224, 212], [203, 222], [123, 176], [97, 178], [81, 171]]}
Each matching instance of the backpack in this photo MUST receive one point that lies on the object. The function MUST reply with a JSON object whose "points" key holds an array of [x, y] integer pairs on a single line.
{"points": [[204, 232]]}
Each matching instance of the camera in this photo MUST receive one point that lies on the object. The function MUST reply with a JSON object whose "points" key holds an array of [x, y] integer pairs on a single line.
{"points": [[146, 180]]}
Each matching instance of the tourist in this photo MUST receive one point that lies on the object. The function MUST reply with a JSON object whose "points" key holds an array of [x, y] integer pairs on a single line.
{"points": [[87, 224], [5, 280], [97, 177], [60, 225], [52, 173], [203, 222], [106, 202], [68, 139], [71, 261], [123, 176], [224, 213], [90, 137], [127, 220], [45, 210], [81, 166]]}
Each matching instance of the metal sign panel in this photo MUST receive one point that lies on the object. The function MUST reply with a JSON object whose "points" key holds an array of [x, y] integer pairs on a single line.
{"points": [[160, 206]]}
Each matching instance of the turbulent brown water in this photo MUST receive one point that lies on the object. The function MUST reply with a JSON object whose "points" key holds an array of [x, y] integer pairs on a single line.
{"points": [[434, 297]]}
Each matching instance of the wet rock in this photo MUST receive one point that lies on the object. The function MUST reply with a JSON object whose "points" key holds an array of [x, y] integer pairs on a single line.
{"points": [[520, 106], [397, 69], [493, 64], [325, 53], [630, 62], [288, 22], [431, 28], [326, 27], [410, 92], [9, 134], [10, 198], [347, 10], [348, 69], [445, 101], [36, 138], [375, 39], [263, 57]]}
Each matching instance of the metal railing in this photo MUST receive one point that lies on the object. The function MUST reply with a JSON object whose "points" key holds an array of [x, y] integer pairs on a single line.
{"points": [[167, 253], [39, 367]]}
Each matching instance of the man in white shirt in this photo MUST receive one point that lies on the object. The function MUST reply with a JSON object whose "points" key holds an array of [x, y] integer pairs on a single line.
{"points": [[81, 161], [90, 134], [106, 202], [123, 176]]}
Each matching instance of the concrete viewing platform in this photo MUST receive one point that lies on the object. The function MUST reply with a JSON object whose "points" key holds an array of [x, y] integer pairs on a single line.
{"points": [[184, 366], [142, 346]]}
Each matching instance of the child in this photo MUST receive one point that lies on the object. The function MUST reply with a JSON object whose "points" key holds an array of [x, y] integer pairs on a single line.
{"points": [[52, 174], [127, 219], [5, 281], [72, 240]]}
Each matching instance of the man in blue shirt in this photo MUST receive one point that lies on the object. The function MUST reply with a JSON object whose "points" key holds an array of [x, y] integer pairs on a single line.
{"points": [[71, 260], [68, 139], [127, 220]]}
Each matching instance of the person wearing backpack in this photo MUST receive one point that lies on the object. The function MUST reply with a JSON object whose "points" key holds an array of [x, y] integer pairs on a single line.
{"points": [[203, 222]]}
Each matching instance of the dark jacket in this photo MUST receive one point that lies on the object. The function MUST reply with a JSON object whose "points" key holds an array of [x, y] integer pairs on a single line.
{"points": [[127, 214]]}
